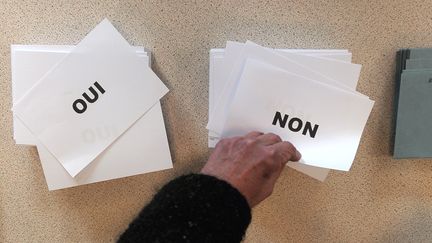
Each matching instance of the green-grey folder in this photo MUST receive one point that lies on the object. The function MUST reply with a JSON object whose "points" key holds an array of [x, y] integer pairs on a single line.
{"points": [[420, 53], [416, 64], [413, 135]]}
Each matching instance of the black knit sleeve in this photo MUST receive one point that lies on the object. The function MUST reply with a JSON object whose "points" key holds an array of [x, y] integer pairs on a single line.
{"points": [[192, 208]]}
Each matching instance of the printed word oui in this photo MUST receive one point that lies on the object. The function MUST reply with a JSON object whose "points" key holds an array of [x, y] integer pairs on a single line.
{"points": [[295, 124], [80, 105]]}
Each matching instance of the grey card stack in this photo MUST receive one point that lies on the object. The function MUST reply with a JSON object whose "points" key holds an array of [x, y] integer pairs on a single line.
{"points": [[413, 104]]}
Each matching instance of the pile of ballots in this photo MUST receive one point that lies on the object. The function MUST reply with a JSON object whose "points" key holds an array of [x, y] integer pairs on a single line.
{"points": [[92, 110], [413, 99], [306, 96]]}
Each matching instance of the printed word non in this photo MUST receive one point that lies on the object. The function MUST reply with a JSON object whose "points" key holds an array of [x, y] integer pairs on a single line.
{"points": [[295, 124]]}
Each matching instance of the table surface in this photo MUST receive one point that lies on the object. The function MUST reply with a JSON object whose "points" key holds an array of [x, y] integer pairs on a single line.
{"points": [[380, 199]]}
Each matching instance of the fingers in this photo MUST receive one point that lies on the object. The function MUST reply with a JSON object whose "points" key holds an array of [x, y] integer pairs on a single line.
{"points": [[253, 134], [286, 151], [269, 139]]}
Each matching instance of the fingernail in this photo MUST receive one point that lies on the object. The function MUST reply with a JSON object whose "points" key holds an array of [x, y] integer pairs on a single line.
{"points": [[298, 154]]}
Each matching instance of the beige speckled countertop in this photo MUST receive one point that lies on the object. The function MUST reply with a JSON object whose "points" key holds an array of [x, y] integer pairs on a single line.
{"points": [[380, 199]]}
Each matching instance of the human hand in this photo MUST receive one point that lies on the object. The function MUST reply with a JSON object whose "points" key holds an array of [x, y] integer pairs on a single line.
{"points": [[251, 163]]}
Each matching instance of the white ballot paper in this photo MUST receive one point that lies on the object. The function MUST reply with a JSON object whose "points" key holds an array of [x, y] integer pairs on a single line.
{"points": [[29, 63], [324, 122], [252, 50], [220, 65], [224, 61], [101, 85], [141, 149]]}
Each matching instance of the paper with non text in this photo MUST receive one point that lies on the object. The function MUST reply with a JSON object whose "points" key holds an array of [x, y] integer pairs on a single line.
{"points": [[325, 123]]}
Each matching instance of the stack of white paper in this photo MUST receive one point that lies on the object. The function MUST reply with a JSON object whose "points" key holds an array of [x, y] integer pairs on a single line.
{"points": [[307, 97], [92, 109]]}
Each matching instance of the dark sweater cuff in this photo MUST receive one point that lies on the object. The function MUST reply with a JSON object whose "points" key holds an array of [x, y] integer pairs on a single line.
{"points": [[192, 208]]}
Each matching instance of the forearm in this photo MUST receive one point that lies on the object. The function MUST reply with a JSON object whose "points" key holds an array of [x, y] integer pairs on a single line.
{"points": [[192, 208]]}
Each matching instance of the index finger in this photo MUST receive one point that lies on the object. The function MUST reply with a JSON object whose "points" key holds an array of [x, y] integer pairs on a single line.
{"points": [[287, 151]]}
